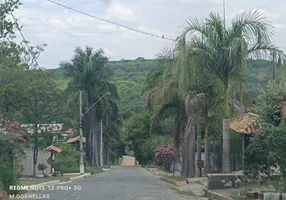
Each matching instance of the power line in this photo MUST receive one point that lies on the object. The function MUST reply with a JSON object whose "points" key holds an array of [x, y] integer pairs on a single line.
{"points": [[111, 22], [28, 47]]}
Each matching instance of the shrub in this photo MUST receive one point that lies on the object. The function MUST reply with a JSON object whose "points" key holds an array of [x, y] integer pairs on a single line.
{"points": [[266, 153], [165, 155], [69, 156], [42, 167], [8, 177]]}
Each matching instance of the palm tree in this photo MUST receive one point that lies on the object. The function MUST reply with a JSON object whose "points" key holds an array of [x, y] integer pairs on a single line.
{"points": [[223, 50], [88, 72], [167, 95]]}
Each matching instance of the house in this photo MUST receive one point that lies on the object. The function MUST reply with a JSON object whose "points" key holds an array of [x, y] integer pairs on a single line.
{"points": [[43, 128]]}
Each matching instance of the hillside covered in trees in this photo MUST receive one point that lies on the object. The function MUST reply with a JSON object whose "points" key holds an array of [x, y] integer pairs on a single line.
{"points": [[130, 76]]}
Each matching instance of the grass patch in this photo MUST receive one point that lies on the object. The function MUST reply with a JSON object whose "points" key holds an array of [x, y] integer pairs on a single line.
{"points": [[93, 170]]}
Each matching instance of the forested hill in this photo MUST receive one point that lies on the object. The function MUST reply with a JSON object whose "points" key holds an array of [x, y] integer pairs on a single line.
{"points": [[130, 76]]}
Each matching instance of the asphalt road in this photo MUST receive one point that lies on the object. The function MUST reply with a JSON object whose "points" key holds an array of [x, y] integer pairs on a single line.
{"points": [[120, 183]]}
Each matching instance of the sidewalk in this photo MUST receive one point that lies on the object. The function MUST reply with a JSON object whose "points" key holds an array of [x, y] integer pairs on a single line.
{"points": [[195, 186]]}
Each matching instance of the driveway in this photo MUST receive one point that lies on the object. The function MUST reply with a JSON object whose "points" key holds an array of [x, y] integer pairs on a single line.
{"points": [[120, 183]]}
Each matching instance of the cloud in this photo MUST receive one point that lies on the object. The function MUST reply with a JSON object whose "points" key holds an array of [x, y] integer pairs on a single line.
{"points": [[63, 29], [118, 12]]}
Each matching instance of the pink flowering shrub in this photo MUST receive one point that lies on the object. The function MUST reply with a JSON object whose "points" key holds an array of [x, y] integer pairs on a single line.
{"points": [[165, 155]]}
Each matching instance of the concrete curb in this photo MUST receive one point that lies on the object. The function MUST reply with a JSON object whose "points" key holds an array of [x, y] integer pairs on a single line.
{"points": [[214, 195], [46, 183], [83, 176], [170, 181]]}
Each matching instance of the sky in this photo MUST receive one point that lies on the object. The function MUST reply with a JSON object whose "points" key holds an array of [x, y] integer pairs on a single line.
{"points": [[63, 30]]}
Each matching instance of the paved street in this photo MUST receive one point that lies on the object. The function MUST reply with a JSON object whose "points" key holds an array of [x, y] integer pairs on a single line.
{"points": [[121, 183]]}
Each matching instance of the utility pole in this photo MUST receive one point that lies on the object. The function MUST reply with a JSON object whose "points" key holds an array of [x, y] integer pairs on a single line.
{"points": [[273, 66], [224, 12], [101, 143], [81, 165]]}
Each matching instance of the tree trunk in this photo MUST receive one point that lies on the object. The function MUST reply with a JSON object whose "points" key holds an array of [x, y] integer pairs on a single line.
{"points": [[88, 129], [96, 150], [192, 151], [207, 167], [226, 147], [93, 145], [101, 143], [36, 149], [226, 133], [199, 147], [186, 153]]}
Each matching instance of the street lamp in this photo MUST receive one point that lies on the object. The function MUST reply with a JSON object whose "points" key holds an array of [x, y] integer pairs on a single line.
{"points": [[81, 165]]}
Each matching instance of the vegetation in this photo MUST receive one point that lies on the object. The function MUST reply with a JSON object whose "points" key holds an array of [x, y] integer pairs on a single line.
{"points": [[135, 106], [265, 155], [42, 167]]}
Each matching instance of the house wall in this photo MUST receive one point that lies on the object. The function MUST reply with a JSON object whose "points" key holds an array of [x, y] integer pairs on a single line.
{"points": [[24, 163]]}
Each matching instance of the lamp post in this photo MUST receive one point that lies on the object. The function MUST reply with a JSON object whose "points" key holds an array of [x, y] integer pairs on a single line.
{"points": [[81, 165]]}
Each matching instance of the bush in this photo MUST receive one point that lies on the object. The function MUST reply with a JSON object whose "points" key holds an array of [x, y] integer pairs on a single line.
{"points": [[165, 155], [266, 153], [8, 177], [118, 161], [69, 156], [65, 169]]}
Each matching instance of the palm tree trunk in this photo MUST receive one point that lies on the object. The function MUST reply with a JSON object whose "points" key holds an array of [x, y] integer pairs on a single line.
{"points": [[93, 147], [207, 167], [199, 147], [192, 151], [88, 128], [185, 158], [101, 142], [226, 133]]}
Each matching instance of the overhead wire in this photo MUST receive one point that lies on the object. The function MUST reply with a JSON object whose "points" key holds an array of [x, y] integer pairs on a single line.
{"points": [[111, 22], [34, 59]]}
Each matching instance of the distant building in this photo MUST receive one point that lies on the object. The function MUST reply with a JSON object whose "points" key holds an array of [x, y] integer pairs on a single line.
{"points": [[43, 128]]}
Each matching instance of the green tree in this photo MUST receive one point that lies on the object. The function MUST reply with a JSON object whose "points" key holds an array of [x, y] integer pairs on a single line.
{"points": [[88, 72], [224, 49], [7, 24]]}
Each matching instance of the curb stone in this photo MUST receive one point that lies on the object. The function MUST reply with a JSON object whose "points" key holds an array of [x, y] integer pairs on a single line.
{"points": [[214, 195]]}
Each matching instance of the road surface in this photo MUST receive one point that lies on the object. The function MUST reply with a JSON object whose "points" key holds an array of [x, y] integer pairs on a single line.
{"points": [[120, 183]]}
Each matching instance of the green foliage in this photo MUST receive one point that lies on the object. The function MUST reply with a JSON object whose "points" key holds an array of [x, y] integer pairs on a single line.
{"points": [[268, 101], [69, 157], [7, 24], [266, 152], [118, 161], [8, 177], [141, 140], [93, 170], [42, 167]]}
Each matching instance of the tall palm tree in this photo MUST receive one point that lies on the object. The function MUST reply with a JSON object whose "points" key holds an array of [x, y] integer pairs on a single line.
{"points": [[88, 72], [167, 96], [224, 49]]}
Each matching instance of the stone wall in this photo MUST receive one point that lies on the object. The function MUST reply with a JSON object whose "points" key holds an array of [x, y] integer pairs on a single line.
{"points": [[223, 181], [24, 163]]}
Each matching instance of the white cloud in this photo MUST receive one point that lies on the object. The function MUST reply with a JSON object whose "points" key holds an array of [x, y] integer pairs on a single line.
{"points": [[117, 12], [63, 30]]}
